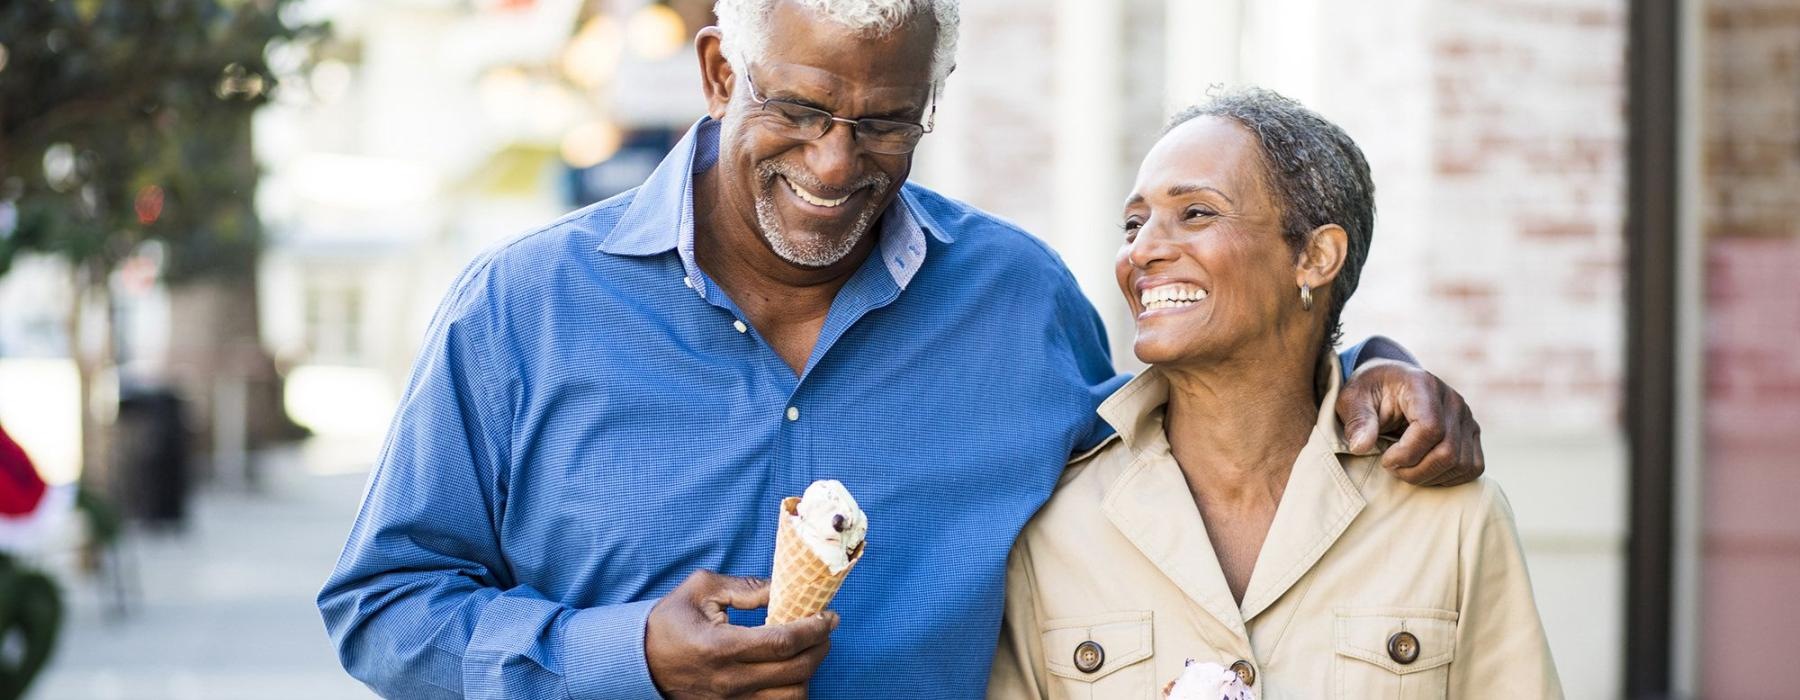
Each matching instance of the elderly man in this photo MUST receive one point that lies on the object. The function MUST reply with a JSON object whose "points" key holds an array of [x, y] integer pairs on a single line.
{"points": [[607, 411]]}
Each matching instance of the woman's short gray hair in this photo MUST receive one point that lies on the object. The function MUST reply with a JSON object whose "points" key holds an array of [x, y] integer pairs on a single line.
{"points": [[745, 25], [1317, 174]]}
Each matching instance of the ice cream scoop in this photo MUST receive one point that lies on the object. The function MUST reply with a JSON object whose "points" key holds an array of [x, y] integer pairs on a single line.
{"points": [[830, 523], [1207, 681]]}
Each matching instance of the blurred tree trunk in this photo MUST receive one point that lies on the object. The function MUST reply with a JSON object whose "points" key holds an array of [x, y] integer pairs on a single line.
{"points": [[230, 382], [94, 360], [216, 358]]}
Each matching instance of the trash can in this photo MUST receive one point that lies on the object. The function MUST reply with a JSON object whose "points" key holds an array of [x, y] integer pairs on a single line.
{"points": [[151, 455]]}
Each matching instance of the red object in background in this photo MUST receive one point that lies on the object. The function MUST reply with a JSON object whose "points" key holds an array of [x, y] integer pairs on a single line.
{"points": [[21, 489], [149, 204]]}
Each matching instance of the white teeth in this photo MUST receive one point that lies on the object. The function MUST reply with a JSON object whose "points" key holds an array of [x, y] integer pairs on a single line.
{"points": [[1171, 296], [814, 199]]}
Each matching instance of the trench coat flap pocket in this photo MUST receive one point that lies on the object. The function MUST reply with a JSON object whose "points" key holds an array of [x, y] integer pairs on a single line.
{"points": [[1368, 634], [1123, 639]]}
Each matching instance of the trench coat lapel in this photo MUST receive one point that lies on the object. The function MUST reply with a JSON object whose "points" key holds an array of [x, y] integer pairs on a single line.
{"points": [[1319, 503], [1151, 506]]}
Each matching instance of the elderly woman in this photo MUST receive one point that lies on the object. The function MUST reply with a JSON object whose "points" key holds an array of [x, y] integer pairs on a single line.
{"points": [[1227, 521]]}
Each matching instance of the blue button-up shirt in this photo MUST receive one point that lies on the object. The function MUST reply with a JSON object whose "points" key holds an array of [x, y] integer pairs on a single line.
{"points": [[591, 419]]}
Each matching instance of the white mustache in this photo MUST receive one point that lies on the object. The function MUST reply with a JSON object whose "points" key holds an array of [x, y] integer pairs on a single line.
{"points": [[768, 169]]}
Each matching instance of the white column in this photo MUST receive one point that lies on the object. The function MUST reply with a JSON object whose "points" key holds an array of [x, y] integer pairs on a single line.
{"points": [[1088, 187], [1203, 42]]}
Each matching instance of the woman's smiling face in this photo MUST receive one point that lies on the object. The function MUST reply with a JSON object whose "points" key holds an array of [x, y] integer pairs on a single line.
{"points": [[1203, 265]]}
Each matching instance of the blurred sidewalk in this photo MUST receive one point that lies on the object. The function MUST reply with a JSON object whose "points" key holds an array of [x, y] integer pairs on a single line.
{"points": [[225, 608]]}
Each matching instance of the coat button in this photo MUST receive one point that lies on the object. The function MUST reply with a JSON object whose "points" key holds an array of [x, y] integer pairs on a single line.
{"points": [[1403, 648], [1244, 671], [1089, 656]]}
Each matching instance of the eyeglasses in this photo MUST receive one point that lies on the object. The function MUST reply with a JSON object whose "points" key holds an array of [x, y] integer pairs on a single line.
{"points": [[802, 123]]}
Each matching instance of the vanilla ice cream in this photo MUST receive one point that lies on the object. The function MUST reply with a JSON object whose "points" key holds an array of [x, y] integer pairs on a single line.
{"points": [[830, 523]]}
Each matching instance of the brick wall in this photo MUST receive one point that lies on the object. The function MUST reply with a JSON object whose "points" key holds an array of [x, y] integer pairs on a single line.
{"points": [[1750, 200], [994, 140], [1497, 138], [1496, 133]]}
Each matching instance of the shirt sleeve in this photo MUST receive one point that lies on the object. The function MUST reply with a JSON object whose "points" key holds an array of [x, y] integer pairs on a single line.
{"points": [[422, 603], [1501, 649], [1085, 335], [1375, 347]]}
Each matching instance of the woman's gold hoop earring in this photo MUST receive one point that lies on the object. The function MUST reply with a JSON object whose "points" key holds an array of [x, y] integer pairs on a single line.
{"points": [[1306, 297]]}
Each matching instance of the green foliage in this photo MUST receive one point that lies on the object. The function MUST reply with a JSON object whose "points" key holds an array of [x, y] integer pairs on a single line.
{"points": [[103, 520], [30, 615], [128, 120]]}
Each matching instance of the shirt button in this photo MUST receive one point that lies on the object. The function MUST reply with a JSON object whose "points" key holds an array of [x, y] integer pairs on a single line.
{"points": [[739, 325], [793, 413], [1089, 656], [1244, 671], [1403, 648], [689, 281]]}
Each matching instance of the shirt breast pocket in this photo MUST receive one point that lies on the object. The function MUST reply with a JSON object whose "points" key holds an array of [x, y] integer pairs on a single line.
{"points": [[1400, 653], [1100, 656]]}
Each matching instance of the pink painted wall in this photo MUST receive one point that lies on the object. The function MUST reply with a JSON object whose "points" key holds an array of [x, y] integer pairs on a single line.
{"points": [[1750, 568]]}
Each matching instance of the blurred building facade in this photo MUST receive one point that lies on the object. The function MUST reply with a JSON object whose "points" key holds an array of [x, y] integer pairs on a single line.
{"points": [[428, 132]]}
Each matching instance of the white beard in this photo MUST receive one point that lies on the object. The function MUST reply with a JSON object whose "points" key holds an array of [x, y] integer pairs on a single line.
{"points": [[810, 249]]}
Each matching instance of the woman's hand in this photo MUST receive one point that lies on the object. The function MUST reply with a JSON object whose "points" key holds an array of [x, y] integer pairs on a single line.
{"points": [[1439, 441]]}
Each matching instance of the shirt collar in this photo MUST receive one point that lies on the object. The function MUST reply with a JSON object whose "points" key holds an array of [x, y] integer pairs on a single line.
{"points": [[1136, 410], [660, 217], [1151, 504]]}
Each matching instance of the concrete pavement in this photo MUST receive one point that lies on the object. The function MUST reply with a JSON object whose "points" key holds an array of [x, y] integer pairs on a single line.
{"points": [[225, 609]]}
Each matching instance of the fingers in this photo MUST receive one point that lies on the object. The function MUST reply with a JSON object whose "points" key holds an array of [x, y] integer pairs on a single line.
{"points": [[1358, 410], [693, 650], [1421, 437], [783, 641], [1474, 459], [1415, 396], [791, 671], [1449, 427], [792, 692], [1430, 468], [741, 592], [1469, 462], [777, 660], [713, 593], [1458, 460]]}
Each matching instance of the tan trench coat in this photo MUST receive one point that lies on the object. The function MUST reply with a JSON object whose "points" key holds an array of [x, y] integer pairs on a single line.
{"points": [[1367, 587]]}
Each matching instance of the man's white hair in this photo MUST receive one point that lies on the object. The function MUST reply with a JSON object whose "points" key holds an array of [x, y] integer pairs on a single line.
{"points": [[745, 25]]}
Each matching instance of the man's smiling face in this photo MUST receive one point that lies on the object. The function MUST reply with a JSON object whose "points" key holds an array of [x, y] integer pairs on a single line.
{"points": [[815, 200]]}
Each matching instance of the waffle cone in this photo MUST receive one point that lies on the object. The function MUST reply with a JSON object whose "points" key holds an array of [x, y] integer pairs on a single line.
{"points": [[801, 584]]}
